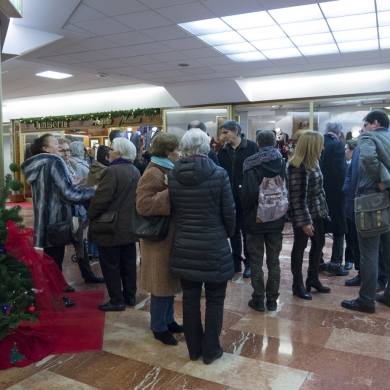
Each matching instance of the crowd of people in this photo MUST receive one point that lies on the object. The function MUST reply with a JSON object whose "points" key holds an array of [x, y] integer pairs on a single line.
{"points": [[213, 202]]}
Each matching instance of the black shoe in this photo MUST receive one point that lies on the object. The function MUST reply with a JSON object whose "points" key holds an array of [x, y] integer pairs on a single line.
{"points": [[217, 356], [108, 306], [247, 272], [355, 305], [336, 269], [323, 267], [348, 265], [174, 327], [381, 299], [93, 278], [130, 302], [356, 281], [68, 289], [271, 305], [259, 306], [380, 287], [165, 337], [300, 292], [194, 358], [315, 283]]}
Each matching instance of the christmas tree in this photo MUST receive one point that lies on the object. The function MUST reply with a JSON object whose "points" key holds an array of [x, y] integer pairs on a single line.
{"points": [[16, 284]]}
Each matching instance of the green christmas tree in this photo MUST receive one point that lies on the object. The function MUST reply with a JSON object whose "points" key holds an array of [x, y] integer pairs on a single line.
{"points": [[16, 284]]}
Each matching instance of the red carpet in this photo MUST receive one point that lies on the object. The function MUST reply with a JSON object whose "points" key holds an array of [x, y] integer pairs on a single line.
{"points": [[79, 328], [23, 205]]}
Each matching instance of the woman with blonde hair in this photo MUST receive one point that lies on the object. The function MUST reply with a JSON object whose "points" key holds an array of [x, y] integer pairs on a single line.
{"points": [[307, 208]]}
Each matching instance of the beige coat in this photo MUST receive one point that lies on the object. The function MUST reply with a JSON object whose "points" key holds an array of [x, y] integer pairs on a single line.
{"points": [[153, 199]]}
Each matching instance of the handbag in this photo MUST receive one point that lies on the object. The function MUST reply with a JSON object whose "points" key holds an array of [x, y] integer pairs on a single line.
{"points": [[106, 223], [153, 228], [372, 214]]}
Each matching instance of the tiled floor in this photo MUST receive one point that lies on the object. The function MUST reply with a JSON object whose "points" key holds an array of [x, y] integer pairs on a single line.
{"points": [[303, 345]]}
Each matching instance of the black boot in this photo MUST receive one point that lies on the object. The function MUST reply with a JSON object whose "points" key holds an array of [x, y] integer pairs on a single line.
{"points": [[296, 268], [313, 281]]}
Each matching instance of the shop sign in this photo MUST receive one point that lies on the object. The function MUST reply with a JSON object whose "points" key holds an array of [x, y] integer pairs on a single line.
{"points": [[51, 125], [129, 119], [102, 122]]}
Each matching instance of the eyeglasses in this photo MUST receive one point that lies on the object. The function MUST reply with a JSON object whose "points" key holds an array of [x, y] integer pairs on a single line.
{"points": [[63, 151]]}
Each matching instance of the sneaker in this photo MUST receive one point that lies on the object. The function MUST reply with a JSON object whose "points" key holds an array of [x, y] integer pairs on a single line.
{"points": [[247, 272], [258, 306]]}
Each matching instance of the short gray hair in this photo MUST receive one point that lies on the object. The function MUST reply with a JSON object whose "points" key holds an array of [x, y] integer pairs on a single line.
{"points": [[334, 127], [265, 138], [195, 141], [124, 147], [231, 126], [77, 149]]}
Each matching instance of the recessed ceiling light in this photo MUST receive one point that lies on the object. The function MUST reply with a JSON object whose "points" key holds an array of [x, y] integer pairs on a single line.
{"points": [[54, 75], [383, 5], [363, 34], [296, 14], [282, 53], [222, 38], [305, 28], [250, 20], [383, 18], [318, 49], [235, 48], [184, 65], [346, 47], [247, 57], [347, 7], [270, 44], [203, 27], [352, 22], [309, 40], [256, 34]]}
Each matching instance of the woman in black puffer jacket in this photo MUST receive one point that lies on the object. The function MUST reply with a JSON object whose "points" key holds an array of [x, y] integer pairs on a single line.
{"points": [[201, 195]]}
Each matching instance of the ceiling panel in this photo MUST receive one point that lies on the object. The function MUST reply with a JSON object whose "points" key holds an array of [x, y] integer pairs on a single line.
{"points": [[186, 43], [142, 20], [88, 56], [104, 26], [84, 13], [116, 7], [232, 7], [166, 33], [186, 13], [129, 38], [151, 48], [97, 43], [164, 3], [139, 60]]}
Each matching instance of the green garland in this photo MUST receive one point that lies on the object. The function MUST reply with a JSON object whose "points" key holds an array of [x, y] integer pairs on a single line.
{"points": [[149, 112]]}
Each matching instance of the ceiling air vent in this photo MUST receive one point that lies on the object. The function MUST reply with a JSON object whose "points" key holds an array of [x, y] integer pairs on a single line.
{"points": [[102, 75]]}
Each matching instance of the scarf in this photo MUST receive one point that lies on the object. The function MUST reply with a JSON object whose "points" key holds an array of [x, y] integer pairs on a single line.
{"points": [[267, 154], [164, 162], [333, 135], [120, 160]]}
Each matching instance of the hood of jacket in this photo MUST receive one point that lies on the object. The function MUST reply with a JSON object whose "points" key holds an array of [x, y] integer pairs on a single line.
{"points": [[33, 166], [193, 171], [96, 167]]}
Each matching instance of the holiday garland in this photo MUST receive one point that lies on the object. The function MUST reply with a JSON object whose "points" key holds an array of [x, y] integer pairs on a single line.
{"points": [[149, 112]]}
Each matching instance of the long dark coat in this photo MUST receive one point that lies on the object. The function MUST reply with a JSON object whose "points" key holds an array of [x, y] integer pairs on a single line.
{"points": [[333, 165]]}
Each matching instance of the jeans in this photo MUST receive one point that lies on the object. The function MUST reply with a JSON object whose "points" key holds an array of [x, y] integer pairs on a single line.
{"points": [[198, 341], [273, 246], [161, 313], [236, 241], [352, 251], [57, 253], [300, 244], [369, 251], [337, 248], [118, 264]]}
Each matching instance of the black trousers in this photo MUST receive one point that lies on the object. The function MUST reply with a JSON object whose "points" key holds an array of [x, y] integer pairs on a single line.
{"points": [[57, 253], [198, 341], [236, 241], [352, 251], [118, 264]]}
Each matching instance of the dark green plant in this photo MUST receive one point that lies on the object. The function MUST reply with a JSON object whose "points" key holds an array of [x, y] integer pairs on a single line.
{"points": [[15, 185], [13, 167]]}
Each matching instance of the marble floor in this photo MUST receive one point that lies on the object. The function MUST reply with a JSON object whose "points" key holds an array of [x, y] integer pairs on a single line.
{"points": [[303, 345]]}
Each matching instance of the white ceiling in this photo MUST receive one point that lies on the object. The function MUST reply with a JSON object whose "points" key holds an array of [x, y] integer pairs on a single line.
{"points": [[139, 42]]}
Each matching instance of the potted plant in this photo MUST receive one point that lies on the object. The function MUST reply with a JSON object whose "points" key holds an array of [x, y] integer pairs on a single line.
{"points": [[15, 185]]}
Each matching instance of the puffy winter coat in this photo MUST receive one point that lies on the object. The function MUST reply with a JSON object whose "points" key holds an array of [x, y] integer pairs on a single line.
{"points": [[116, 190], [53, 193], [201, 196]]}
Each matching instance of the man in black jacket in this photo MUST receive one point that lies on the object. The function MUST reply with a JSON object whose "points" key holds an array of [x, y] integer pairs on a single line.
{"points": [[231, 156], [268, 162], [200, 125]]}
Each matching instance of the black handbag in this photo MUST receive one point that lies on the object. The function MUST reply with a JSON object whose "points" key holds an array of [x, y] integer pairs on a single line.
{"points": [[60, 233], [105, 223], [153, 228]]}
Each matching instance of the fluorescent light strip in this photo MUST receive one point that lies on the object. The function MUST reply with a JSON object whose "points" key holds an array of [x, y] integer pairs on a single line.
{"points": [[318, 49], [352, 22], [260, 33], [347, 7], [246, 57], [309, 40], [222, 38], [384, 32], [385, 43], [296, 14], [382, 5], [305, 28], [250, 20], [54, 75], [363, 34], [203, 27], [346, 47], [281, 53], [383, 19], [271, 44], [235, 48]]}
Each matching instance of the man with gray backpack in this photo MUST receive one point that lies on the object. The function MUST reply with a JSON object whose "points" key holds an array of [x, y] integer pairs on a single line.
{"points": [[264, 200]]}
